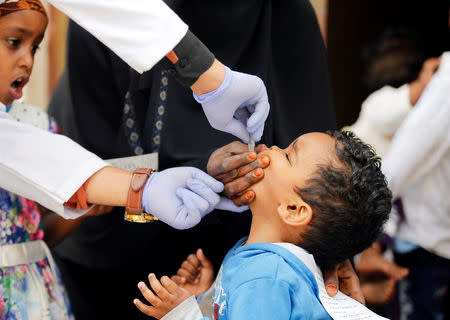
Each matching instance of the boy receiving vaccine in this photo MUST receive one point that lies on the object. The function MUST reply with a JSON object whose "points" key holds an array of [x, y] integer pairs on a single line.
{"points": [[323, 200]]}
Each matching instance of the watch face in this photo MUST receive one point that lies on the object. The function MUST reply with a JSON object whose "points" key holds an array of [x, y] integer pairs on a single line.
{"points": [[139, 218]]}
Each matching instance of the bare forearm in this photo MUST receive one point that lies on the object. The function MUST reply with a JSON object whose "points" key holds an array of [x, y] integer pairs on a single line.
{"points": [[109, 186], [210, 80], [415, 91], [56, 228]]}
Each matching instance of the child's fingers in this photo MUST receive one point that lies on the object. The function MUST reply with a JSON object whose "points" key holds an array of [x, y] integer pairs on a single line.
{"points": [[185, 274], [205, 262], [189, 266], [178, 280], [157, 287], [170, 285], [148, 310], [148, 294], [192, 258]]}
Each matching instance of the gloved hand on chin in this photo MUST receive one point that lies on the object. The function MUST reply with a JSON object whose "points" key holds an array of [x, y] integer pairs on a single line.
{"points": [[181, 197]]}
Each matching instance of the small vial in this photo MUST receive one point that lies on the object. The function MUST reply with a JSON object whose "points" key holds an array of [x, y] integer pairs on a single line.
{"points": [[251, 144]]}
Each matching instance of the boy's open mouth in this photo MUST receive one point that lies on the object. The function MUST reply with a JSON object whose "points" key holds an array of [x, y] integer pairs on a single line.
{"points": [[17, 86]]}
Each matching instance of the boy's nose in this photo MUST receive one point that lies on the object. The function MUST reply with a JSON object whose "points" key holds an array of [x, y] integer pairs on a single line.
{"points": [[261, 148], [274, 148]]}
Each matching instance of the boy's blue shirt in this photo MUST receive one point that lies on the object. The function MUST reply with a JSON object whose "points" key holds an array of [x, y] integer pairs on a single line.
{"points": [[265, 281]]}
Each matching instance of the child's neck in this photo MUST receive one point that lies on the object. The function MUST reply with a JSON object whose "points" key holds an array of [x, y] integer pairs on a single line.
{"points": [[263, 230], [265, 226]]}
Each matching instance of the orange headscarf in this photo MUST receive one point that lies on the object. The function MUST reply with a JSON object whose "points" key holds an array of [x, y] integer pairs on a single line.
{"points": [[10, 6]]}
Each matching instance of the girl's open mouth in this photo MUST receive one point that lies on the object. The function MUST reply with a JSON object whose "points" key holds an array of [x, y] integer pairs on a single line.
{"points": [[16, 88]]}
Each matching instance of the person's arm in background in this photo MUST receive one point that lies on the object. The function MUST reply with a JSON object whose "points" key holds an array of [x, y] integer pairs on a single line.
{"points": [[429, 67], [424, 136], [388, 107], [417, 147], [56, 228]]}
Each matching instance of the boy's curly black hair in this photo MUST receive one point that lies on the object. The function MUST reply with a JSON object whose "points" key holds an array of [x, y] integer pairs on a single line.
{"points": [[350, 204]]}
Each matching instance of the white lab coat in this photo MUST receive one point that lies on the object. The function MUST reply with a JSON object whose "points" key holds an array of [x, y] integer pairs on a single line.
{"points": [[50, 168], [141, 32]]}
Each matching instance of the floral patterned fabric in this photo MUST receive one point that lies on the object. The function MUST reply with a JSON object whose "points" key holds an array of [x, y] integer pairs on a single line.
{"points": [[27, 291]]}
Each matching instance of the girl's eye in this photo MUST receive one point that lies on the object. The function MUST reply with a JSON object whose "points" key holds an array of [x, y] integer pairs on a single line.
{"points": [[13, 42], [287, 157]]}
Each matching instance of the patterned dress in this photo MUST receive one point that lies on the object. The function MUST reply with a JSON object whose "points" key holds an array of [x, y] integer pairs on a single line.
{"points": [[25, 289]]}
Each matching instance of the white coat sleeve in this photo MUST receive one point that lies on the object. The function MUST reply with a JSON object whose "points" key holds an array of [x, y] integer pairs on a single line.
{"points": [[141, 32], [44, 167], [424, 136], [386, 108]]}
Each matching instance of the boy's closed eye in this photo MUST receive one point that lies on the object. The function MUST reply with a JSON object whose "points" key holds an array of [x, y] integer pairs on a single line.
{"points": [[287, 157]]}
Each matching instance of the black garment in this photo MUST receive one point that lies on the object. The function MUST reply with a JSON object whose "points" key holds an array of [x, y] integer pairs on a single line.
{"points": [[424, 293], [277, 40], [194, 58]]}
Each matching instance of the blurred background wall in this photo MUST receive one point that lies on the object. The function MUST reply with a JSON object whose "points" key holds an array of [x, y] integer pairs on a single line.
{"points": [[354, 23], [346, 25]]}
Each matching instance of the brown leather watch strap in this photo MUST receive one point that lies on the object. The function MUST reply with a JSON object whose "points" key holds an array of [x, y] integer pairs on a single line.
{"points": [[138, 180]]}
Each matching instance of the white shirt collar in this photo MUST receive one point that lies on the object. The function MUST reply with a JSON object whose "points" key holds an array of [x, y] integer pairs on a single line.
{"points": [[302, 254], [2, 107], [339, 307]]}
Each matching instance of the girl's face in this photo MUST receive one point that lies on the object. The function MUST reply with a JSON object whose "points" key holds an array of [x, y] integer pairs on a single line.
{"points": [[21, 33]]}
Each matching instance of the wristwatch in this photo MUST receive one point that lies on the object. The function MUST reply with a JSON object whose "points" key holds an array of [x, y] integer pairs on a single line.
{"points": [[134, 200]]}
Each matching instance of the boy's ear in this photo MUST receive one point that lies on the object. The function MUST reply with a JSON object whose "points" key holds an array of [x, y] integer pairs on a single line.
{"points": [[295, 212]]}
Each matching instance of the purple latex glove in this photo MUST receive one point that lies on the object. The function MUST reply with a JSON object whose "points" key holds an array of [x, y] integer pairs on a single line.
{"points": [[181, 197], [238, 92]]}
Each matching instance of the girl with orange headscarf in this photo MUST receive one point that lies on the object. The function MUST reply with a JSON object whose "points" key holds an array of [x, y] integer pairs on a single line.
{"points": [[30, 287]]}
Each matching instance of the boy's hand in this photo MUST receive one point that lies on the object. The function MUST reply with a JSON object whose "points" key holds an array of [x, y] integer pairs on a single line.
{"points": [[168, 296], [343, 277], [238, 169], [196, 273]]}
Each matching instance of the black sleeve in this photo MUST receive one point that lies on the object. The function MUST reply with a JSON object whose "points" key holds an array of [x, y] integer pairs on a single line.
{"points": [[194, 58]]}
